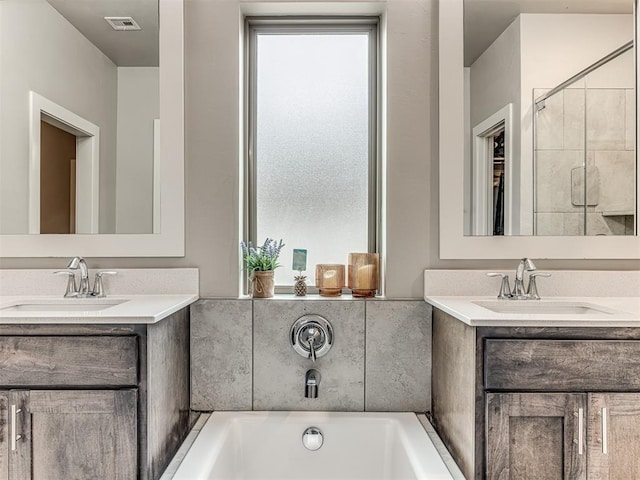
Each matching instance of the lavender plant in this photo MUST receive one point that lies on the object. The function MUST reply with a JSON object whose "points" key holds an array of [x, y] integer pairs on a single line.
{"points": [[262, 258]]}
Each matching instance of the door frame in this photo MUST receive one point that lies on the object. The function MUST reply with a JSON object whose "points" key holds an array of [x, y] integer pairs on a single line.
{"points": [[482, 172], [87, 161]]}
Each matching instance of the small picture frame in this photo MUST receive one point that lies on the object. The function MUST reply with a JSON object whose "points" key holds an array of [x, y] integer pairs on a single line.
{"points": [[299, 259]]}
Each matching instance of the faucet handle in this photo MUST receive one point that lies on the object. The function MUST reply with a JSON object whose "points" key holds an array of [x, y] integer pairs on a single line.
{"points": [[312, 350], [505, 288], [72, 290], [532, 288], [98, 286]]}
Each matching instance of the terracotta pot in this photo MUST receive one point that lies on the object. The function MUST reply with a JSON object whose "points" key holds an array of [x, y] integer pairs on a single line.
{"points": [[262, 284]]}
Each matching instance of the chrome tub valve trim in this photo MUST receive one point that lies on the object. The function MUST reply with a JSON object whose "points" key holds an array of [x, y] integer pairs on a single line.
{"points": [[311, 336]]}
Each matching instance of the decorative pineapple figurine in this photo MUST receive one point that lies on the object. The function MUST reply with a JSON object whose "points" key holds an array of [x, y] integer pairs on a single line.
{"points": [[300, 287]]}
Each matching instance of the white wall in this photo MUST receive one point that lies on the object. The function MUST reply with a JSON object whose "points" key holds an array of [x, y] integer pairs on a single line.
{"points": [[44, 53], [495, 76], [138, 106], [495, 83]]}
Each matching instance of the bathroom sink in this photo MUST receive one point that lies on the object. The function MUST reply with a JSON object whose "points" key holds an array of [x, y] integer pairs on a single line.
{"points": [[64, 305], [534, 307]]}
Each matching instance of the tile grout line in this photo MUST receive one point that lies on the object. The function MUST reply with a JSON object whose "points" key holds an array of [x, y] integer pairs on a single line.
{"points": [[253, 355], [364, 359]]}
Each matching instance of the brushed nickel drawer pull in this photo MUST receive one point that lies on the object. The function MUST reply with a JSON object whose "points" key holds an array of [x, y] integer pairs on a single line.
{"points": [[580, 415], [605, 446], [14, 419]]}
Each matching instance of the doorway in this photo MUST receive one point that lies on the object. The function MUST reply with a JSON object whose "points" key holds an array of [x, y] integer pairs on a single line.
{"points": [[491, 174], [86, 143], [57, 180]]}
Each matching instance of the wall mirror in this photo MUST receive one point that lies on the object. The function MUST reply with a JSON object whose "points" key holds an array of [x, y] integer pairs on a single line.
{"points": [[87, 87], [500, 143]]}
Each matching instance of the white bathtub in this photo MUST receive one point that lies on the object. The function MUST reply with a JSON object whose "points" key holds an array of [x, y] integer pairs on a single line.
{"points": [[268, 445]]}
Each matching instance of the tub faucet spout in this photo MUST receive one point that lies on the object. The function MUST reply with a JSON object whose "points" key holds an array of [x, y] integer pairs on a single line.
{"points": [[312, 380]]}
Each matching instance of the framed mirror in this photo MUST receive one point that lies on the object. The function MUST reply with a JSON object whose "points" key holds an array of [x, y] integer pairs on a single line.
{"points": [[126, 182], [467, 183]]}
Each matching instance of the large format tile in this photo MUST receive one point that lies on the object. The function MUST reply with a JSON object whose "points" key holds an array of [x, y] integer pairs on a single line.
{"points": [[574, 100], [398, 360], [221, 355], [560, 224], [553, 180], [279, 372], [630, 119], [618, 188], [606, 119], [577, 186], [550, 123]]}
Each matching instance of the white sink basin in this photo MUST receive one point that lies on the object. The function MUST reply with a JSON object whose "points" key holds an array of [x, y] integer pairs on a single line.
{"points": [[535, 307], [64, 305]]}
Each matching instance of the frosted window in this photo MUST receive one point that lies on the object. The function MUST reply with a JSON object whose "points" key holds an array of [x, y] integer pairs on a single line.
{"points": [[311, 148]]}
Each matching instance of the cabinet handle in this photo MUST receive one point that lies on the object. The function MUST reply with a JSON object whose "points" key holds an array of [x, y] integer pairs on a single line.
{"points": [[580, 415], [14, 420], [605, 446]]}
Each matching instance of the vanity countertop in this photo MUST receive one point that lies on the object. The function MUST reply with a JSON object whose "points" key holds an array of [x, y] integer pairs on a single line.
{"points": [[596, 311], [116, 309]]}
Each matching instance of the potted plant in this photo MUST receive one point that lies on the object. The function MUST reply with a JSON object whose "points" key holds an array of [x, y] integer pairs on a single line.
{"points": [[260, 262]]}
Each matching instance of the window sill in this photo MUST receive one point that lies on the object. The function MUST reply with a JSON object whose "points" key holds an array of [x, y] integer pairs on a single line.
{"points": [[311, 297]]}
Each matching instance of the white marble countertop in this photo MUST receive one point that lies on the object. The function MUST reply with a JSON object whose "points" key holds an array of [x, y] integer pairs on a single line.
{"points": [[119, 309], [607, 311]]}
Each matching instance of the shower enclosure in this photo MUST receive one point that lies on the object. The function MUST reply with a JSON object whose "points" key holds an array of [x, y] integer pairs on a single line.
{"points": [[585, 167]]}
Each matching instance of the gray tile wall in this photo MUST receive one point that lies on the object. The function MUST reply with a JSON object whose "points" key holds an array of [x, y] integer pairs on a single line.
{"points": [[279, 372], [398, 365], [560, 150], [242, 359], [221, 355]]}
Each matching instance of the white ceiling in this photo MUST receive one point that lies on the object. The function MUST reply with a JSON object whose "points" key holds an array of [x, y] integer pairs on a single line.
{"points": [[485, 20], [124, 48]]}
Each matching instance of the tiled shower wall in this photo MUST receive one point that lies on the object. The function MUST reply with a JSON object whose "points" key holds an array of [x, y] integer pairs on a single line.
{"points": [[241, 357], [560, 143]]}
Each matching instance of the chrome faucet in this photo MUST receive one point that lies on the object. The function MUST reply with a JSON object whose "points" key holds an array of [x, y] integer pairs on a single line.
{"points": [[84, 290], [311, 383], [519, 292], [79, 263]]}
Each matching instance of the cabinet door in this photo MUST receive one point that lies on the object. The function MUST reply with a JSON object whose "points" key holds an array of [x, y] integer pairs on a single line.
{"points": [[614, 436], [76, 434], [537, 436]]}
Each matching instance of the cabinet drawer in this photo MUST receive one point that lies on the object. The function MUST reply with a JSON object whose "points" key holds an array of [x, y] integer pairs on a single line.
{"points": [[51, 361], [562, 365]]}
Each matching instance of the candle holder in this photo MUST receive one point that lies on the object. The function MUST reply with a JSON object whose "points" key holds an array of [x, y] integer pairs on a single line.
{"points": [[363, 274], [330, 279]]}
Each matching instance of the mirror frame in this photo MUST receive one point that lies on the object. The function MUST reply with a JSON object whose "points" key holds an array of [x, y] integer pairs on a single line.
{"points": [[453, 243], [170, 241]]}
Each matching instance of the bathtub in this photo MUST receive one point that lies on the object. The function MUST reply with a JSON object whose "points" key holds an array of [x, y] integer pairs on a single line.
{"points": [[269, 445]]}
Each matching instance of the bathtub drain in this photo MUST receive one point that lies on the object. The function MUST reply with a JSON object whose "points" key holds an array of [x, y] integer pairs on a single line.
{"points": [[312, 438]]}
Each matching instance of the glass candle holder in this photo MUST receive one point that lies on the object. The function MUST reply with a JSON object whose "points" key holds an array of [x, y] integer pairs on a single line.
{"points": [[363, 274], [330, 279]]}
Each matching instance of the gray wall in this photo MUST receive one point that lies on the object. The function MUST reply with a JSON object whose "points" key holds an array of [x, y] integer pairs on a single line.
{"points": [[242, 360], [212, 155]]}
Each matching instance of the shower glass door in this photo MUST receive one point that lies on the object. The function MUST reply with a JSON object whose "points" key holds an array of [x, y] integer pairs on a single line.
{"points": [[584, 152]]}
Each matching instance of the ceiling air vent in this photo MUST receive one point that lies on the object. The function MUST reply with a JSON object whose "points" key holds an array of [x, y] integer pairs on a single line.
{"points": [[122, 23]]}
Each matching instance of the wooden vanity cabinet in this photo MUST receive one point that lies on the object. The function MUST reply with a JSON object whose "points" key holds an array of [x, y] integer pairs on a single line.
{"points": [[538, 435], [535, 435], [538, 403], [70, 434], [93, 402]]}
